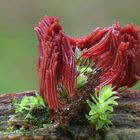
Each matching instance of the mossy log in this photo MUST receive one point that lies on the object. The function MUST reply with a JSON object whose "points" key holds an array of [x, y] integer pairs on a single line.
{"points": [[126, 122]]}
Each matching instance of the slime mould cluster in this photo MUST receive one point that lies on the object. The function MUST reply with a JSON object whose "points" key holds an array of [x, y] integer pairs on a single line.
{"points": [[114, 51]]}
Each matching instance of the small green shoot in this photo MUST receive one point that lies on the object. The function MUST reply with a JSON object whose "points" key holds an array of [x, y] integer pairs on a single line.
{"points": [[81, 80], [84, 69], [101, 107], [26, 107], [28, 103]]}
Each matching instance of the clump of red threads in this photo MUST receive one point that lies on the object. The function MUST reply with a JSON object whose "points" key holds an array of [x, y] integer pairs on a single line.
{"points": [[117, 53], [115, 50], [56, 62]]}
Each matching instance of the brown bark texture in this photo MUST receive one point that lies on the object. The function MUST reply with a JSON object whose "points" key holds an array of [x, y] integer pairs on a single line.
{"points": [[126, 122]]}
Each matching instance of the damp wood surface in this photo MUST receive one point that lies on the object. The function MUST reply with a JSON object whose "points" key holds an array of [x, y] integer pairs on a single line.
{"points": [[126, 122]]}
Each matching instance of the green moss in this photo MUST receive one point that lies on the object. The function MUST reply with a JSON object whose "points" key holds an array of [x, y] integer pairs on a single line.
{"points": [[33, 109], [101, 107], [84, 69]]}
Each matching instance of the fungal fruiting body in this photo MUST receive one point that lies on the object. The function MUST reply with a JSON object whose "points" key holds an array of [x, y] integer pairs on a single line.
{"points": [[56, 62], [117, 53], [115, 50]]}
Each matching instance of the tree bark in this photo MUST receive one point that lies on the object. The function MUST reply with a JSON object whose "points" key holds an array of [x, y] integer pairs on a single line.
{"points": [[126, 122]]}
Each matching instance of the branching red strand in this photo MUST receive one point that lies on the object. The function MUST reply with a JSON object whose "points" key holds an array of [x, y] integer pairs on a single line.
{"points": [[56, 62], [117, 53], [115, 50]]}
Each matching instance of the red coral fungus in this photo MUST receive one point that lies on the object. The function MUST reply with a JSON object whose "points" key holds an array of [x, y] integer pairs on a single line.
{"points": [[118, 54], [56, 61], [115, 50]]}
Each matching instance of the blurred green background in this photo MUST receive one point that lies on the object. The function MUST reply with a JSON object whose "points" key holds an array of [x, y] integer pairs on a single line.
{"points": [[18, 43]]}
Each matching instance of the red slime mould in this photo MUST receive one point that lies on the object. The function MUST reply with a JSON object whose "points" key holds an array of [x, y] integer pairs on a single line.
{"points": [[56, 62], [117, 53], [115, 50]]}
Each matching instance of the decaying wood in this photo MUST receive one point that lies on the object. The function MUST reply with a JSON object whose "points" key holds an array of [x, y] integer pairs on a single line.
{"points": [[72, 109], [126, 122]]}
